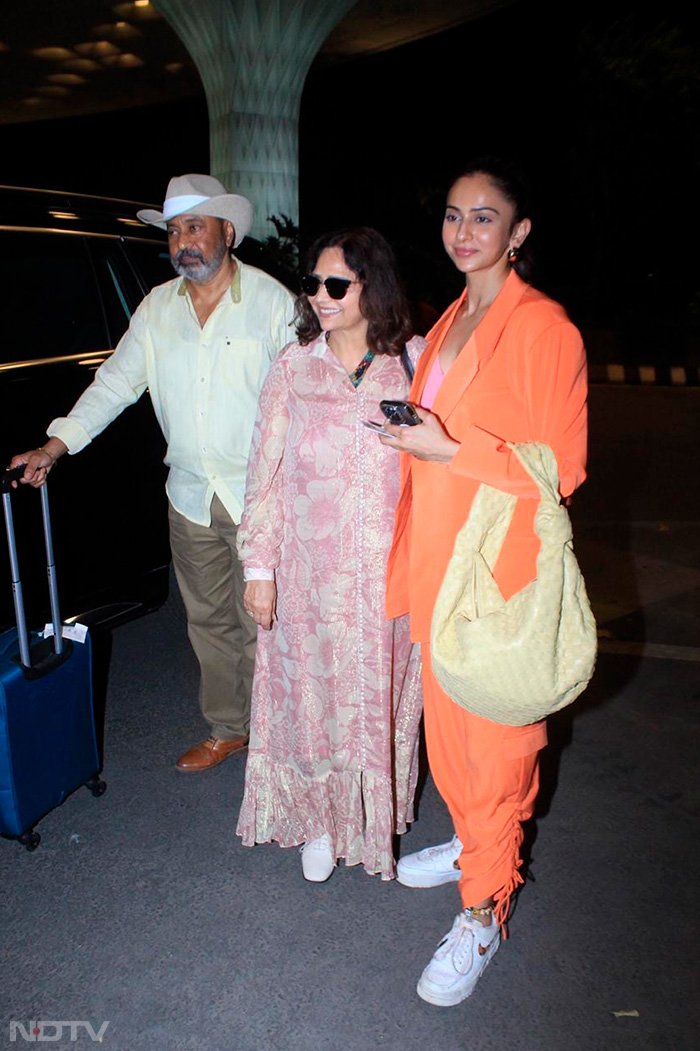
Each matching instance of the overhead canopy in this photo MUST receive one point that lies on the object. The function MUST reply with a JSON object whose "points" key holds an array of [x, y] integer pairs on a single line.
{"points": [[86, 56], [251, 57]]}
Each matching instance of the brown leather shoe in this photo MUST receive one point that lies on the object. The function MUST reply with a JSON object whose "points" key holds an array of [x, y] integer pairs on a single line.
{"points": [[209, 753]]}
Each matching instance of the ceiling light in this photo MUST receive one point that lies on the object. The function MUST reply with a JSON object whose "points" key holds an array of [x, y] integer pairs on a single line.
{"points": [[52, 54], [97, 49], [33, 101], [69, 79], [129, 222], [139, 12], [82, 65], [122, 61], [63, 215], [54, 91], [174, 67], [117, 30]]}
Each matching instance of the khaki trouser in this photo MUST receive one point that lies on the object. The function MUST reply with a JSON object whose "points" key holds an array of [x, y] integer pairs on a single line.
{"points": [[222, 635]]}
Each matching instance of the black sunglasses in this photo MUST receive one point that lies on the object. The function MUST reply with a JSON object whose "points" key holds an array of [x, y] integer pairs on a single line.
{"points": [[336, 287]]}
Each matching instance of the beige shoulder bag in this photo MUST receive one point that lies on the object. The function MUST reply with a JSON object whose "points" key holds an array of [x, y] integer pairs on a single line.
{"points": [[518, 661]]}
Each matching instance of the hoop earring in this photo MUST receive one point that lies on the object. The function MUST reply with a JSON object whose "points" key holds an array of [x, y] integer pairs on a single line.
{"points": [[512, 255]]}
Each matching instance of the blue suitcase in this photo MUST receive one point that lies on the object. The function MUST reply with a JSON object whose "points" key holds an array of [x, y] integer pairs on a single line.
{"points": [[48, 746]]}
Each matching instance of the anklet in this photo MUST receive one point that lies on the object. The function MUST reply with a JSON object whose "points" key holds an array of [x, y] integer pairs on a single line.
{"points": [[486, 910]]}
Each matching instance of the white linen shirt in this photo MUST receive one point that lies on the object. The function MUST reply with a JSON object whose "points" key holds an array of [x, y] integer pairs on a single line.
{"points": [[204, 382]]}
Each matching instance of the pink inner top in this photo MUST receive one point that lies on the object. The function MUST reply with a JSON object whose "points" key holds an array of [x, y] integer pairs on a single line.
{"points": [[432, 384]]}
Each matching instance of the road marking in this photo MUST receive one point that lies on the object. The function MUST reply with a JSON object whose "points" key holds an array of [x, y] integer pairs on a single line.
{"points": [[645, 375], [650, 649]]}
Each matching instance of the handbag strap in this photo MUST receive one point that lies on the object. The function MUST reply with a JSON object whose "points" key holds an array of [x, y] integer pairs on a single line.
{"points": [[540, 463], [489, 521], [407, 364], [492, 509]]}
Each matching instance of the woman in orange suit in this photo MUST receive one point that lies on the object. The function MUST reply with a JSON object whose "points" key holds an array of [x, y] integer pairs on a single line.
{"points": [[503, 364]]}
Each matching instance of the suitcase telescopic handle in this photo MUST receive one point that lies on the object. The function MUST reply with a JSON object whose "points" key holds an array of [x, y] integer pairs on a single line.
{"points": [[6, 481], [8, 477]]}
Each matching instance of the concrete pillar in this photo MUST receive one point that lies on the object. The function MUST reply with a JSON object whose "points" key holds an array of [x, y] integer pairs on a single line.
{"points": [[253, 57]]}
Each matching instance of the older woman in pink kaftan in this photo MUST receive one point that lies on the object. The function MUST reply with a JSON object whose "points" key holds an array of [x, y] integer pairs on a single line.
{"points": [[332, 760]]}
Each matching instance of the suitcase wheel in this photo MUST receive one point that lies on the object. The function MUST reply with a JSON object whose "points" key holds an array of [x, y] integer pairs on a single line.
{"points": [[30, 840], [97, 786]]}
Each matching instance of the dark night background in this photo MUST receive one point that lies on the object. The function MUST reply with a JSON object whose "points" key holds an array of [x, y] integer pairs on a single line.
{"points": [[599, 104], [146, 912]]}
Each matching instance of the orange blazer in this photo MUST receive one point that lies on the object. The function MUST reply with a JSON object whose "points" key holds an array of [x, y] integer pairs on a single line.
{"points": [[527, 382]]}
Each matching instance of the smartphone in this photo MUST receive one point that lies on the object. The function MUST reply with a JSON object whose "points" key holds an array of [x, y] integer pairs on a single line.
{"points": [[372, 425], [400, 413]]}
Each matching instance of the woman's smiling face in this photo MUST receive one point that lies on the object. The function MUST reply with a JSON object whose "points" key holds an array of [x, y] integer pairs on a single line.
{"points": [[478, 228], [336, 315]]}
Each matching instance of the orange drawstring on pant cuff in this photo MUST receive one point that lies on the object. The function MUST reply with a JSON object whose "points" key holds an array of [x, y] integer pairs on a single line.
{"points": [[502, 899]]}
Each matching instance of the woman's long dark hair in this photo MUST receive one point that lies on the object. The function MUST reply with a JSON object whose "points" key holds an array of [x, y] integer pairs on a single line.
{"points": [[382, 299], [515, 188]]}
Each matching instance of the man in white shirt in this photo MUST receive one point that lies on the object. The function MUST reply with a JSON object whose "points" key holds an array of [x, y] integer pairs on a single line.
{"points": [[202, 344]]}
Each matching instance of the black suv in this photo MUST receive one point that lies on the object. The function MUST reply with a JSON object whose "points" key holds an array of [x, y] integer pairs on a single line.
{"points": [[75, 269]]}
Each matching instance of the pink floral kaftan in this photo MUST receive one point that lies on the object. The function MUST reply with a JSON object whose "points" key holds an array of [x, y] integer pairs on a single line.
{"points": [[336, 697]]}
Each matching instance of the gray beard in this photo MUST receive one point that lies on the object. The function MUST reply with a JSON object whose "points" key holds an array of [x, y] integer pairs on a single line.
{"points": [[200, 271]]}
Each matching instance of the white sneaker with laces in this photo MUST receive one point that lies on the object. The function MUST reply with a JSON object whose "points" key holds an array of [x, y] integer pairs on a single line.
{"points": [[459, 961], [432, 866], [317, 861]]}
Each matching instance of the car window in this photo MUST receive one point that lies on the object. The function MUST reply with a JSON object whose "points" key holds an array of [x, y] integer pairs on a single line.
{"points": [[126, 272], [152, 261], [52, 306], [121, 289]]}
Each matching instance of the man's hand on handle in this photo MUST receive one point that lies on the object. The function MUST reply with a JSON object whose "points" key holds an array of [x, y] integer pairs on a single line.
{"points": [[38, 462]]}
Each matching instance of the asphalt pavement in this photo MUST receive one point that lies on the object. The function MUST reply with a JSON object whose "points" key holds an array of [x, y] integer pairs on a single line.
{"points": [[141, 909]]}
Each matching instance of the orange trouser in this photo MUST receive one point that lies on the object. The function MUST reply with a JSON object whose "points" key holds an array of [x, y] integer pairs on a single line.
{"points": [[488, 776]]}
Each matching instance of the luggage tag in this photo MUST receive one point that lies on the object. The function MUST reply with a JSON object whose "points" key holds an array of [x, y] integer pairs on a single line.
{"points": [[76, 632]]}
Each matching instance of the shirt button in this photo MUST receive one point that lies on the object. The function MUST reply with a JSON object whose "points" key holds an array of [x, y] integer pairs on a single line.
{"points": [[201, 379], [204, 448]]}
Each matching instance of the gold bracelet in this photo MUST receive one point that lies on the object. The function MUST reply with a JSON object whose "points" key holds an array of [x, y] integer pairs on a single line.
{"points": [[51, 456]]}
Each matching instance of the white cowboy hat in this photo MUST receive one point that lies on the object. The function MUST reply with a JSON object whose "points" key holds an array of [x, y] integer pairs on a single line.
{"points": [[201, 195]]}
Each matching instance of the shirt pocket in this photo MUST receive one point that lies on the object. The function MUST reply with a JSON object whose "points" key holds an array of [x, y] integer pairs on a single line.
{"points": [[240, 364]]}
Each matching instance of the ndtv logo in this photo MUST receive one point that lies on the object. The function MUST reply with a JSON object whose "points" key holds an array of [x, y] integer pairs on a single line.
{"points": [[36, 1032]]}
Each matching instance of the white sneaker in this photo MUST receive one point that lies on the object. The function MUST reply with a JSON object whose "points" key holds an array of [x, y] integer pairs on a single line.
{"points": [[317, 861], [432, 866], [459, 961]]}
